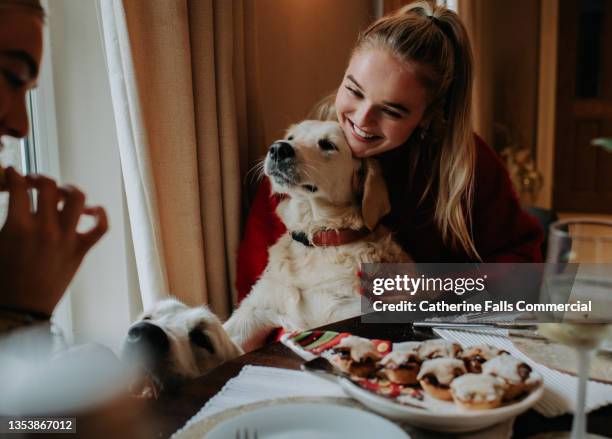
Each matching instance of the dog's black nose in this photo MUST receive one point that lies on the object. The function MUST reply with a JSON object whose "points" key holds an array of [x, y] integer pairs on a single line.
{"points": [[280, 151], [150, 337]]}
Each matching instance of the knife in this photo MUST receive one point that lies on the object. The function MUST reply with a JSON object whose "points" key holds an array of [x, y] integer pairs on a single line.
{"points": [[499, 325]]}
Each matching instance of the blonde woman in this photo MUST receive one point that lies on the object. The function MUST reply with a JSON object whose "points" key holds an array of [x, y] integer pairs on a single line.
{"points": [[405, 99]]}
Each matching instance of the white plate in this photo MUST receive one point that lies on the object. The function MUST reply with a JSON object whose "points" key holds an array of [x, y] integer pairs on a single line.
{"points": [[308, 421], [446, 417]]}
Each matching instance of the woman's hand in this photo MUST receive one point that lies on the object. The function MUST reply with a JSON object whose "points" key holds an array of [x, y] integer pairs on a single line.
{"points": [[40, 251]]}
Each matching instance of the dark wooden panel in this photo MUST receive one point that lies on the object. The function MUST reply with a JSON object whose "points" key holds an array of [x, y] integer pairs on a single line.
{"points": [[592, 108], [604, 161], [565, 86], [606, 86], [584, 156], [583, 173]]}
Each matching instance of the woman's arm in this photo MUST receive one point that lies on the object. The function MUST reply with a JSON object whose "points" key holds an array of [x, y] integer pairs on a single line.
{"points": [[262, 230], [503, 231]]}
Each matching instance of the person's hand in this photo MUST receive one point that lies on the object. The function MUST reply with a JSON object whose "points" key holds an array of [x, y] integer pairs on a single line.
{"points": [[41, 251]]}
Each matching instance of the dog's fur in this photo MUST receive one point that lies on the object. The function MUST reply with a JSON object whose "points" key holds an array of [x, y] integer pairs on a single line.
{"points": [[304, 287], [174, 342]]}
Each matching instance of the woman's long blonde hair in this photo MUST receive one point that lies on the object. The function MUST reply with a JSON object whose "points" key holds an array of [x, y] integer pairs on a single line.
{"points": [[434, 40]]}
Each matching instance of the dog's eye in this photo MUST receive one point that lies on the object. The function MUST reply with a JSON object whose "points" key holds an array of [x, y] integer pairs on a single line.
{"points": [[146, 318], [290, 138], [199, 338], [327, 145]]}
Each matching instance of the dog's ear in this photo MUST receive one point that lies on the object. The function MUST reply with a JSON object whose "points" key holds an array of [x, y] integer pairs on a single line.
{"points": [[370, 184]]}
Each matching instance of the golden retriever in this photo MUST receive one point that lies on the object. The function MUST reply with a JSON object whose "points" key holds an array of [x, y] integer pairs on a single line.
{"points": [[172, 342], [333, 205]]}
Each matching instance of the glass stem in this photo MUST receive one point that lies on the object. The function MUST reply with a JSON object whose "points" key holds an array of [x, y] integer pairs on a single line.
{"points": [[579, 428]]}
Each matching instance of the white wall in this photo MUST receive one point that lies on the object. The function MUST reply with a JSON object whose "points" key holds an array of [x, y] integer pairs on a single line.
{"points": [[101, 306]]}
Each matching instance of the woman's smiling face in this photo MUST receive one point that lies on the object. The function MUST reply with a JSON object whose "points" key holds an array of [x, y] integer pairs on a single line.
{"points": [[380, 102]]}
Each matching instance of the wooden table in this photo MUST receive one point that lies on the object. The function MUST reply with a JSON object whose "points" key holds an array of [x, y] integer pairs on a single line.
{"points": [[171, 411]]}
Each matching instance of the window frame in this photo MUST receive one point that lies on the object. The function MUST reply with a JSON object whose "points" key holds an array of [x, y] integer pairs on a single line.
{"points": [[41, 152]]}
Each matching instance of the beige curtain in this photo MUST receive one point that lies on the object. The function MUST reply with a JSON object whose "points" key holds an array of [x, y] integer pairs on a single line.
{"points": [[476, 17], [195, 94]]}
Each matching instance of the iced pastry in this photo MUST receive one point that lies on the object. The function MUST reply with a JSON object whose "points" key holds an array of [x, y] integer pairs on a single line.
{"points": [[477, 391], [439, 348], [355, 355], [402, 365], [436, 376], [475, 356], [518, 376]]}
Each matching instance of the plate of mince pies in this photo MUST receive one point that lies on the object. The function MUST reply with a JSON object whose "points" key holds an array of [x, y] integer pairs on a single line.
{"points": [[434, 384]]}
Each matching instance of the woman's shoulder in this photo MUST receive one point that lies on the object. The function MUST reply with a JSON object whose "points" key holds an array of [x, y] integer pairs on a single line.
{"points": [[503, 231], [490, 171], [485, 155]]}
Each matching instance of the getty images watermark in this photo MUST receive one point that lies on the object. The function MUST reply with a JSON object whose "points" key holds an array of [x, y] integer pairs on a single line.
{"points": [[540, 292]]}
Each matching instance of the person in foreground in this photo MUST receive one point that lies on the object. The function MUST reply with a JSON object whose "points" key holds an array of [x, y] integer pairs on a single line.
{"points": [[405, 99], [41, 249]]}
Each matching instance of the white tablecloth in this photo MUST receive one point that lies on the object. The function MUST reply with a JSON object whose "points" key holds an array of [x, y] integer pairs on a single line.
{"points": [[257, 383]]}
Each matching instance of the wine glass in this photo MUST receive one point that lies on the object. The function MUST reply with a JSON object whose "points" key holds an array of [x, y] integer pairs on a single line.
{"points": [[580, 269]]}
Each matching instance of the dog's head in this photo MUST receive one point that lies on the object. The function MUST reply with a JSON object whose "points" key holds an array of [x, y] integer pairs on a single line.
{"points": [[314, 162], [172, 342]]}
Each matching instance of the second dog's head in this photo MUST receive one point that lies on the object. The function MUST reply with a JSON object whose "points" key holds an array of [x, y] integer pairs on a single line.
{"points": [[173, 342], [315, 162]]}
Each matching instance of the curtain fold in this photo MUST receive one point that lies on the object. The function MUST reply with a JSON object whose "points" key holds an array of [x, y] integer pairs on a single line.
{"points": [[135, 158], [476, 16], [218, 161], [188, 59]]}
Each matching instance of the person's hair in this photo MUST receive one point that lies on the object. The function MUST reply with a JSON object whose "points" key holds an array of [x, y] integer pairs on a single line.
{"points": [[325, 109], [435, 42], [25, 5]]}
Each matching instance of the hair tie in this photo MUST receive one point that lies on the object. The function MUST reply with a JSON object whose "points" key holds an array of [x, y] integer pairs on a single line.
{"points": [[444, 27], [448, 32]]}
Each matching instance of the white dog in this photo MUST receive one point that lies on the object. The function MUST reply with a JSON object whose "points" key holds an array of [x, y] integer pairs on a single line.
{"points": [[173, 342], [331, 213]]}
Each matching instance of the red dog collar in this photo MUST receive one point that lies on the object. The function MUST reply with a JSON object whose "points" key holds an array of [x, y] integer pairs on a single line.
{"points": [[331, 238]]}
